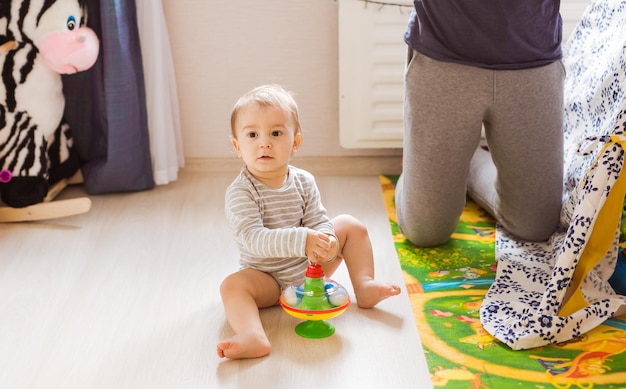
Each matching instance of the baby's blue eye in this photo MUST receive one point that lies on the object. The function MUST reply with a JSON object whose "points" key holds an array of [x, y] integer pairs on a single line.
{"points": [[71, 23]]}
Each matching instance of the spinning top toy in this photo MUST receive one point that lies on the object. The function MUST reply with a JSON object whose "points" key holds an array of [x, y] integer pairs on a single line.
{"points": [[315, 301]]}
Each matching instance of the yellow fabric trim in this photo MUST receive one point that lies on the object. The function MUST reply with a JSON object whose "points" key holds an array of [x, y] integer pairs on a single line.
{"points": [[600, 240]]}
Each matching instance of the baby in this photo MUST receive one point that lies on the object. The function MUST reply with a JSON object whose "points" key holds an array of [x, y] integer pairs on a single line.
{"points": [[280, 225]]}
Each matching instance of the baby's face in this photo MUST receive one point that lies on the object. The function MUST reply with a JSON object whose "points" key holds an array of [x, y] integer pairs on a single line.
{"points": [[266, 140]]}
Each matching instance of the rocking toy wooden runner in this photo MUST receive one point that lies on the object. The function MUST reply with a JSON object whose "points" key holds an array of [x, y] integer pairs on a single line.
{"points": [[48, 209]]}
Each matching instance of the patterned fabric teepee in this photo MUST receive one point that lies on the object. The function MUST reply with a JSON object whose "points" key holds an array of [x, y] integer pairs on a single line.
{"points": [[555, 291]]}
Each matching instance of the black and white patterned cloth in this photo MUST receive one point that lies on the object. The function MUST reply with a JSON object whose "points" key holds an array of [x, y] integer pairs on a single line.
{"points": [[533, 300]]}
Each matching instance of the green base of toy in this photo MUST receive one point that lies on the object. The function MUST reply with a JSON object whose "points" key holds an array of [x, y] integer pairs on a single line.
{"points": [[315, 329]]}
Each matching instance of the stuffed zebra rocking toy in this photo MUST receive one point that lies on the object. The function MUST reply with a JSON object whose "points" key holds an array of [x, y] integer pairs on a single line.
{"points": [[39, 41]]}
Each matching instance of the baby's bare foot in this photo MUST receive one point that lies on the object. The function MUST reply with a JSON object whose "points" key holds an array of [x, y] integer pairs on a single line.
{"points": [[371, 292], [244, 345]]}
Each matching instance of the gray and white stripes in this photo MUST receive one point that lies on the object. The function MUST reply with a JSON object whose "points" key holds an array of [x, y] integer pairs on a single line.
{"points": [[270, 224]]}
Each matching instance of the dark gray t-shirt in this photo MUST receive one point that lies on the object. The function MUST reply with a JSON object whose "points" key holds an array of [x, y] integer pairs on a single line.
{"points": [[492, 34]]}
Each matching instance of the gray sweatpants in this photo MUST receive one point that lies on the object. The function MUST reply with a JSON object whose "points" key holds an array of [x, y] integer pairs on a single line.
{"points": [[519, 182]]}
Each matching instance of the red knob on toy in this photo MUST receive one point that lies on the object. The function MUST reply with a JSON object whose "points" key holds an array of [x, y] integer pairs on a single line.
{"points": [[314, 271]]}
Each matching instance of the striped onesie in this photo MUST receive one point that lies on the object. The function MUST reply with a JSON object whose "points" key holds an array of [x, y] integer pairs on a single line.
{"points": [[270, 224]]}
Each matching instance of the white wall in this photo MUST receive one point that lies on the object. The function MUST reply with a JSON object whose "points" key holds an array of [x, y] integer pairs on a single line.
{"points": [[223, 48]]}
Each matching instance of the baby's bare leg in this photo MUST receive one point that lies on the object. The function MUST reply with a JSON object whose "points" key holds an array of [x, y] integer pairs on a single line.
{"points": [[356, 250], [243, 293]]}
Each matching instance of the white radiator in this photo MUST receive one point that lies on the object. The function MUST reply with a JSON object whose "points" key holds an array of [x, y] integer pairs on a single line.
{"points": [[372, 56]]}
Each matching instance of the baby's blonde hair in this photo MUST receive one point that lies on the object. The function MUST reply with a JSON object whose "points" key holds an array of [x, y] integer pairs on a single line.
{"points": [[270, 95]]}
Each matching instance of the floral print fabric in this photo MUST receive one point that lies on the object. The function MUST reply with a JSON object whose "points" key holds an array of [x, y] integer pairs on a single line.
{"points": [[536, 297]]}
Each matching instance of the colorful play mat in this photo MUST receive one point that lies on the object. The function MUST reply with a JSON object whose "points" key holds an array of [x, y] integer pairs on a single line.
{"points": [[446, 286]]}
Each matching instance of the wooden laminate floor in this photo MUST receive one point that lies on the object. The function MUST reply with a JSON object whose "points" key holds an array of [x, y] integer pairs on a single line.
{"points": [[126, 296]]}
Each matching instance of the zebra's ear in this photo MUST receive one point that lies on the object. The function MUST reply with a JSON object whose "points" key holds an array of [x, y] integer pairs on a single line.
{"points": [[7, 46]]}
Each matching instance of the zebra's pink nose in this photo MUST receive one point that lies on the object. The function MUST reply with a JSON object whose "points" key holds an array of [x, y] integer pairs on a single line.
{"points": [[70, 52]]}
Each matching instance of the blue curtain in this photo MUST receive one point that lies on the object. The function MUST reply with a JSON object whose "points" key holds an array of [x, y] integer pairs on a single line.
{"points": [[106, 105]]}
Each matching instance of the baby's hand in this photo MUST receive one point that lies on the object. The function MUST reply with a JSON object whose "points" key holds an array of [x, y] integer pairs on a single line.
{"points": [[320, 247]]}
